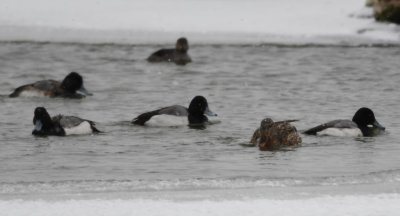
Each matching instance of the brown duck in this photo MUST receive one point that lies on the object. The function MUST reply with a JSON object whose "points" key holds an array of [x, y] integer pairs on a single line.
{"points": [[179, 55], [275, 135]]}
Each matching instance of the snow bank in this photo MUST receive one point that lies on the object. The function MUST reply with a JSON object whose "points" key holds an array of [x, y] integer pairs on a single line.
{"points": [[384, 204], [215, 21]]}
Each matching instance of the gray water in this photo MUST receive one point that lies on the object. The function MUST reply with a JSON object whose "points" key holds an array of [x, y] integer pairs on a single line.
{"points": [[243, 84]]}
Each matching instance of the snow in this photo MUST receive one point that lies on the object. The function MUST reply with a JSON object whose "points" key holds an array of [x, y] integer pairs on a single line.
{"points": [[207, 21], [381, 204]]}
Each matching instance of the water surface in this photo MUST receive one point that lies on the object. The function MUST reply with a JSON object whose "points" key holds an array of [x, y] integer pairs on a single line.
{"points": [[243, 84]]}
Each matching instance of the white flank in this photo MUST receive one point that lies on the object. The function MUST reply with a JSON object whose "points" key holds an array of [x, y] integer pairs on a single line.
{"points": [[341, 132], [168, 121], [32, 93], [83, 128]]}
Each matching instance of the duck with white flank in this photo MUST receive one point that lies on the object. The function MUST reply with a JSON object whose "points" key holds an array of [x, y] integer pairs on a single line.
{"points": [[60, 125], [70, 87], [362, 124], [177, 115]]}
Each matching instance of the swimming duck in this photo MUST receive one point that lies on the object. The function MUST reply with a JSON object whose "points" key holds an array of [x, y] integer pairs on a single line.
{"points": [[178, 55], [275, 135], [362, 124], [60, 125], [177, 115], [70, 87]]}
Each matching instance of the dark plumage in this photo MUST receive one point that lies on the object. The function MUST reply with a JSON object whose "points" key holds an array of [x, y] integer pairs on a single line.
{"points": [[70, 87], [363, 121], [275, 135], [195, 113], [60, 125], [178, 55]]}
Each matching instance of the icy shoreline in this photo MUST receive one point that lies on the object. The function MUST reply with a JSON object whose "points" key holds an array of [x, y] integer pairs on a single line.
{"points": [[203, 22], [63, 35]]}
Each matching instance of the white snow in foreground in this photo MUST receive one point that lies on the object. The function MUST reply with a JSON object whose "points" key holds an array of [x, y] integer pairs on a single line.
{"points": [[373, 205], [287, 21]]}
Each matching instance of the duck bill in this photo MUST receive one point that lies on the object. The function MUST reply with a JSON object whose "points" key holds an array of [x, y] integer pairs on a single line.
{"points": [[377, 125], [83, 91], [208, 112]]}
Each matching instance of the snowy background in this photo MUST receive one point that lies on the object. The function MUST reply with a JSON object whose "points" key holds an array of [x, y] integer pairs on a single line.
{"points": [[209, 21]]}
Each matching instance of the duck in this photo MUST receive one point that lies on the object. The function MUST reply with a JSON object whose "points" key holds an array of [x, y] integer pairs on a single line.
{"points": [[177, 115], [60, 125], [363, 124], [71, 87], [179, 55], [272, 135]]}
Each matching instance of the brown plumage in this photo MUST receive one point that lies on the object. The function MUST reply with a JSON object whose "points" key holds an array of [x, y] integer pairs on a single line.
{"points": [[275, 135], [179, 55]]}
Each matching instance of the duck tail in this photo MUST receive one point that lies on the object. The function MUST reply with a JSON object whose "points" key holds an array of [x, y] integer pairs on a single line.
{"points": [[18, 91], [143, 118], [93, 127], [288, 121]]}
